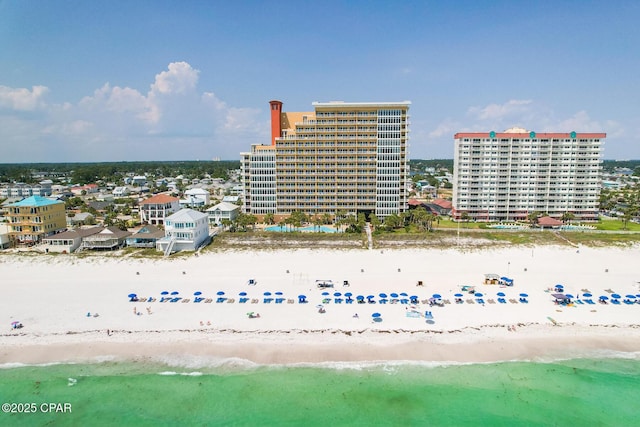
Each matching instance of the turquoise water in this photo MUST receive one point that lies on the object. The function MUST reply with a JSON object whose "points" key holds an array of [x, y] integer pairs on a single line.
{"points": [[311, 228], [594, 392]]}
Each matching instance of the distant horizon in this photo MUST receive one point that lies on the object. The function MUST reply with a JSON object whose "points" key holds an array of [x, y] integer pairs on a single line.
{"points": [[98, 82]]}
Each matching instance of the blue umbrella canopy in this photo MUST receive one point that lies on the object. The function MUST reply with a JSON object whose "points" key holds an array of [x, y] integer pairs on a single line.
{"points": [[478, 294], [371, 296], [604, 297], [376, 315], [437, 296], [637, 295], [325, 294], [360, 297], [587, 295], [302, 296], [175, 293], [267, 294], [383, 295], [164, 293], [196, 293], [501, 294], [523, 295], [278, 293], [404, 294], [337, 294], [569, 296], [220, 293], [458, 295], [630, 296], [616, 296], [135, 295], [348, 294], [414, 297], [242, 294], [394, 295], [559, 286]]}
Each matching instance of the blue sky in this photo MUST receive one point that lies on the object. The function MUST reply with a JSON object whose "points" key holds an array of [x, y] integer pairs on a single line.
{"points": [[191, 80]]}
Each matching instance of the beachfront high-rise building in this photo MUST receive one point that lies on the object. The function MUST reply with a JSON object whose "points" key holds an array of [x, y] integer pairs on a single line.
{"points": [[507, 176], [344, 156]]}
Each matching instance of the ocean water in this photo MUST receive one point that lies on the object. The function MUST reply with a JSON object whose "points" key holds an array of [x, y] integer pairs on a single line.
{"points": [[577, 392]]}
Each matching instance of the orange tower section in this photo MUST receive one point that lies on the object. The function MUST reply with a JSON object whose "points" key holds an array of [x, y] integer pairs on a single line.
{"points": [[276, 124]]}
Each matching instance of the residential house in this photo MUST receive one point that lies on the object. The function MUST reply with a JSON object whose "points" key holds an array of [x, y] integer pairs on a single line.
{"points": [[80, 218], [109, 238], [5, 243], [67, 242], [195, 198], [221, 211], [121, 191], [185, 230], [33, 218], [155, 209], [439, 206], [146, 237]]}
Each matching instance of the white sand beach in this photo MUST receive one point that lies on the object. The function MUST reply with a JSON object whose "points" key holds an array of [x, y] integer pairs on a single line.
{"points": [[53, 295]]}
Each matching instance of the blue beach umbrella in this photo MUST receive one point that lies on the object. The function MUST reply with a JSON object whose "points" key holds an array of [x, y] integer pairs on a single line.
{"points": [[132, 295], [523, 295], [382, 295], [360, 297], [337, 294], [616, 296], [569, 296], [458, 295], [164, 293], [478, 294], [175, 293], [603, 297], [559, 286], [630, 296], [414, 297], [278, 293], [637, 295], [404, 294], [376, 315], [348, 294], [501, 294], [220, 293], [394, 295], [266, 294], [371, 296], [243, 294], [197, 293], [587, 295], [325, 294], [302, 296], [437, 296]]}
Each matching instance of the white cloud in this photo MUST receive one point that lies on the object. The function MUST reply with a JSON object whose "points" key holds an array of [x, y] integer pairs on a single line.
{"points": [[510, 108], [171, 120], [23, 99], [180, 78]]}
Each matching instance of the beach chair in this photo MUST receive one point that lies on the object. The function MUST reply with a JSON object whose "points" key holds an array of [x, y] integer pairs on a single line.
{"points": [[338, 300], [615, 301], [526, 301], [589, 301], [513, 301], [425, 301], [470, 301], [480, 301], [186, 300], [404, 301], [383, 301], [231, 300], [142, 300], [151, 299], [290, 301], [220, 300], [279, 300], [254, 301], [176, 299], [243, 300], [208, 301], [502, 300], [491, 301], [268, 300]]}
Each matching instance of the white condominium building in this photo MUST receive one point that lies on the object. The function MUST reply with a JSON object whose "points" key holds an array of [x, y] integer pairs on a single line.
{"points": [[344, 156], [506, 176]]}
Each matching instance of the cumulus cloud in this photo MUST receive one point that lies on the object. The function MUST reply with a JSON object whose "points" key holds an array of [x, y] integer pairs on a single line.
{"points": [[23, 99], [510, 108], [172, 119]]}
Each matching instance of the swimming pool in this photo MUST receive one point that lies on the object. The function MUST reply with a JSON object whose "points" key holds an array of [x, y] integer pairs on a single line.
{"points": [[309, 229]]}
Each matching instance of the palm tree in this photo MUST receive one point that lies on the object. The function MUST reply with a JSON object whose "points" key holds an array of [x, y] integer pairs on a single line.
{"points": [[269, 219], [568, 217]]}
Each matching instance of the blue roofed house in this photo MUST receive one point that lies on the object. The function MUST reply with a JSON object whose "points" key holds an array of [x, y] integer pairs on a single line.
{"points": [[185, 230], [33, 218]]}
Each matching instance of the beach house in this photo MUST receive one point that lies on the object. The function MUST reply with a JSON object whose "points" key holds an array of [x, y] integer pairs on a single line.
{"points": [[195, 198], [185, 230], [68, 241], [109, 238], [146, 237], [221, 211], [33, 218], [155, 209]]}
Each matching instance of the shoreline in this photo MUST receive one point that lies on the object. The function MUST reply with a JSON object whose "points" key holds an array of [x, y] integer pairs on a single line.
{"points": [[185, 348]]}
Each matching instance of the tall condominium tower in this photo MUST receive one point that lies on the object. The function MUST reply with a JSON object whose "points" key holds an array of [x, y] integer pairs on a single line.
{"points": [[506, 176], [344, 156]]}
